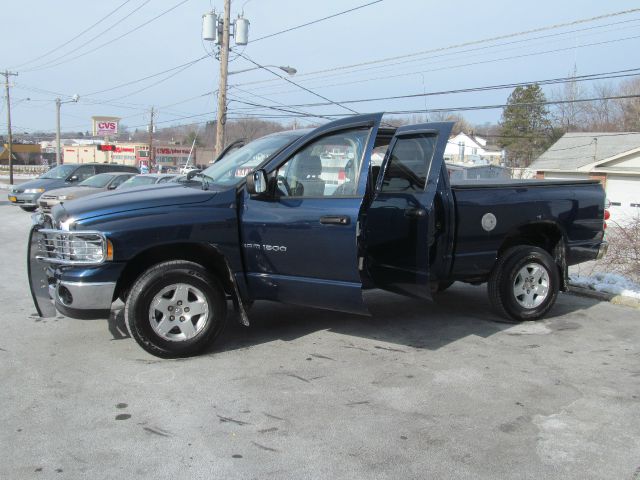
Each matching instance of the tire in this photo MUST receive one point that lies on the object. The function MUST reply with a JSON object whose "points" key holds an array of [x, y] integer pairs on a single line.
{"points": [[524, 284], [181, 288], [29, 209]]}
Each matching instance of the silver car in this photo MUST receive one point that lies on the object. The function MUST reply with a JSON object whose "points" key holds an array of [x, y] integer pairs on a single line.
{"points": [[92, 185]]}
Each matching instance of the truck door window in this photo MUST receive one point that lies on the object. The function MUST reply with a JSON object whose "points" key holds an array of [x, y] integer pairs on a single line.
{"points": [[329, 166], [409, 164]]}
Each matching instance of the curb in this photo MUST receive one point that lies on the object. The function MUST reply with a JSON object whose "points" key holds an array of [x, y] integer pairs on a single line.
{"points": [[605, 297]]}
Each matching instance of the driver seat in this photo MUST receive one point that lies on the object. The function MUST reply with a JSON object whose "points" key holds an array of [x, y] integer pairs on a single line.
{"points": [[308, 181]]}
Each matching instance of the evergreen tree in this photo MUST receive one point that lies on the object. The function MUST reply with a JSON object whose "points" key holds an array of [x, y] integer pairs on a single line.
{"points": [[526, 129]]}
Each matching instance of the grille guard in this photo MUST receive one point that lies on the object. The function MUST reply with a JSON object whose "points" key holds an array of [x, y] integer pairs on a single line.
{"points": [[38, 278]]}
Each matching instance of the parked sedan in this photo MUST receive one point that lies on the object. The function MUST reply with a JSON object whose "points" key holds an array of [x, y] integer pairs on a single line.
{"points": [[148, 179], [96, 184], [26, 195]]}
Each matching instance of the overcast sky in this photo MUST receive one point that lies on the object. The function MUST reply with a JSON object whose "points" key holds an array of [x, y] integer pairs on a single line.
{"points": [[391, 28]]}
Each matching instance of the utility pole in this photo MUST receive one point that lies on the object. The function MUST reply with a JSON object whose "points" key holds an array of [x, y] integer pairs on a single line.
{"points": [[151, 127], [224, 69], [58, 155], [7, 74], [219, 30]]}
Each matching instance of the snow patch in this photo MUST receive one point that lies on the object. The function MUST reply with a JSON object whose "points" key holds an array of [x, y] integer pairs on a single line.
{"points": [[608, 283]]}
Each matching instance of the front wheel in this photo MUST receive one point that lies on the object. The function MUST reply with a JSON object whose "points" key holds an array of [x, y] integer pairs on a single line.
{"points": [[29, 209], [524, 284], [175, 309]]}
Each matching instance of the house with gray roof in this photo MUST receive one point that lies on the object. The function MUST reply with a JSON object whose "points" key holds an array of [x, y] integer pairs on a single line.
{"points": [[613, 158]]}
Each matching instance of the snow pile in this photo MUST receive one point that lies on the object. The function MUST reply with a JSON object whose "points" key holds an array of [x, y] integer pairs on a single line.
{"points": [[607, 283]]}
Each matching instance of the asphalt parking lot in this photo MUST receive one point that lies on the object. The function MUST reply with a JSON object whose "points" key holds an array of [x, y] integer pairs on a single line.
{"points": [[418, 390]]}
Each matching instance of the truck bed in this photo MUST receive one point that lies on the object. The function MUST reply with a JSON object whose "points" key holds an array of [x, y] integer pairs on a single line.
{"points": [[510, 183], [575, 207]]}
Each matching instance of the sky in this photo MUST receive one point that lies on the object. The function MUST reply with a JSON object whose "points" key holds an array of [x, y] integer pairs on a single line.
{"points": [[389, 48]]}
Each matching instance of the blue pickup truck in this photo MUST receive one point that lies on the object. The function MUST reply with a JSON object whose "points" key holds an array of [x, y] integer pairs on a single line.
{"points": [[310, 217]]}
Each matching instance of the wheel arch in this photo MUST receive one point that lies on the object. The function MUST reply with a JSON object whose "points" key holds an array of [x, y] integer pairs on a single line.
{"points": [[203, 254], [548, 236]]}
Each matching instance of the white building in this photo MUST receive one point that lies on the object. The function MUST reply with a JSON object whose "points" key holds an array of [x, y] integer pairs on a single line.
{"points": [[471, 149]]}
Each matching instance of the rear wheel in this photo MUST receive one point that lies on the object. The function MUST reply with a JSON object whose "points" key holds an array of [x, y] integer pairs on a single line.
{"points": [[524, 284], [175, 309]]}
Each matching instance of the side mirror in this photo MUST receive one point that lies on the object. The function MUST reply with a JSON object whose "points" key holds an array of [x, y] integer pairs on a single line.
{"points": [[112, 187], [193, 173], [73, 178], [257, 182]]}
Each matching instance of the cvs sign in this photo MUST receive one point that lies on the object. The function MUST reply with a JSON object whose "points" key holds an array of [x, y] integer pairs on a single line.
{"points": [[105, 126]]}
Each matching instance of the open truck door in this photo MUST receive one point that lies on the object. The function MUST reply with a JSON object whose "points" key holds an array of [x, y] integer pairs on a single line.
{"points": [[300, 238], [400, 222]]}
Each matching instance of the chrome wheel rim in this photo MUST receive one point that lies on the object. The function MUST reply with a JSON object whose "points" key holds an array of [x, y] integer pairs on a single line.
{"points": [[531, 285], [179, 312]]}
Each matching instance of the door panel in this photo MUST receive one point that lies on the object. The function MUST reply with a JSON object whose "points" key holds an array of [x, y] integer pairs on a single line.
{"points": [[400, 221], [300, 242]]}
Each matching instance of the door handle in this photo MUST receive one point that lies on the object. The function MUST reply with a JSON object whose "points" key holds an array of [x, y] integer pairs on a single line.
{"points": [[415, 212], [335, 220]]}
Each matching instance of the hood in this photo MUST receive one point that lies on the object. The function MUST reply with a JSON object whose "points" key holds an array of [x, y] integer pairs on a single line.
{"points": [[46, 183], [130, 199], [75, 191]]}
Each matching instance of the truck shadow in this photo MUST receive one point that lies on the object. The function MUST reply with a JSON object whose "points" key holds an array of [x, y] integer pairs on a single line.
{"points": [[457, 313]]}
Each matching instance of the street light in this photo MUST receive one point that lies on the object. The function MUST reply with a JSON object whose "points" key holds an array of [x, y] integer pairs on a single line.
{"points": [[286, 69], [59, 102]]}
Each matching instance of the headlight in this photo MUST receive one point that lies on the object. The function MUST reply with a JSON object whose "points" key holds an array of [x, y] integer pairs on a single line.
{"points": [[34, 190], [65, 197], [74, 248]]}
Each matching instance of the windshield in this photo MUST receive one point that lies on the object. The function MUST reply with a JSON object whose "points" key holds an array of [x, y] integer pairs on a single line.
{"points": [[97, 181], [61, 171], [234, 166], [138, 180]]}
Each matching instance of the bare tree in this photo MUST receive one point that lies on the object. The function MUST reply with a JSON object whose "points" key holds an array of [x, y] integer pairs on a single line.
{"points": [[569, 117], [630, 107], [602, 115]]}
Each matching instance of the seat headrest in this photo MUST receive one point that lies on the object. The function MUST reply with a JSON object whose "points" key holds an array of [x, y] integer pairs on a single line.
{"points": [[309, 166]]}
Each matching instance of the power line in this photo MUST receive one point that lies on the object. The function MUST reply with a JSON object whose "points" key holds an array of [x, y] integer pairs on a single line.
{"points": [[467, 44], [579, 78], [102, 45], [269, 100], [132, 82], [387, 67], [315, 21], [480, 62], [77, 36], [296, 84], [46, 64], [278, 108], [185, 67]]}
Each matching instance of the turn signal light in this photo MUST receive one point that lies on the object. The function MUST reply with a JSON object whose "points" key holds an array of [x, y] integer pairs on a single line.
{"points": [[109, 250]]}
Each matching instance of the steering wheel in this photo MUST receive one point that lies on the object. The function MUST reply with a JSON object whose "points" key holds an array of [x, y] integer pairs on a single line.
{"points": [[281, 180]]}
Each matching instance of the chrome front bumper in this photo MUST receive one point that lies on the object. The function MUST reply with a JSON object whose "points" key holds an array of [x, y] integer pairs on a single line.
{"points": [[82, 296]]}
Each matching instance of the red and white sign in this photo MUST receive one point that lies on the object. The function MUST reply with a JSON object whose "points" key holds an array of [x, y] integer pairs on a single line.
{"points": [[105, 126]]}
